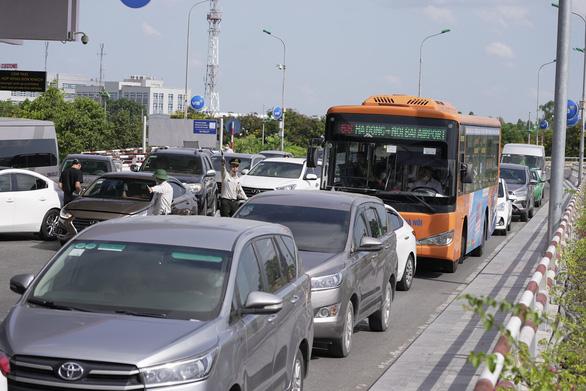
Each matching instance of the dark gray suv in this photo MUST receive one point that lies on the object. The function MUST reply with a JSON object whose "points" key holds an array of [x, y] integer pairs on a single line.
{"points": [[522, 186], [166, 303], [347, 245], [193, 168]]}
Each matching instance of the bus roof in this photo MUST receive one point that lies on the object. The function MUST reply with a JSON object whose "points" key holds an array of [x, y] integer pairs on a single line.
{"points": [[8, 121], [409, 105]]}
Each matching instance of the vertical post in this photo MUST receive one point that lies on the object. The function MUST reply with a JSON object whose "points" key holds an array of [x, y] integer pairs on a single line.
{"points": [[560, 117], [144, 126], [582, 112], [232, 139], [263, 124], [221, 130], [185, 98]]}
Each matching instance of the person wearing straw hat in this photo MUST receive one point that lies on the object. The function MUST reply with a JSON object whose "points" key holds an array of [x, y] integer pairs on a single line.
{"points": [[164, 191], [231, 190]]}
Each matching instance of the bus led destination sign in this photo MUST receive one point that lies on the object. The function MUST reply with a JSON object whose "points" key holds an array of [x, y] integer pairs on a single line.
{"points": [[23, 81], [411, 132]]}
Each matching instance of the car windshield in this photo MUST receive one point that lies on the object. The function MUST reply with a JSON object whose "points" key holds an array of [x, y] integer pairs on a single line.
{"points": [[217, 162], [277, 169], [315, 229], [175, 164], [513, 176], [121, 188], [135, 279]]}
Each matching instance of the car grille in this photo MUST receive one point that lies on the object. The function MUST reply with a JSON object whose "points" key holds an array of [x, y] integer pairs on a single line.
{"points": [[81, 224], [29, 373], [251, 191]]}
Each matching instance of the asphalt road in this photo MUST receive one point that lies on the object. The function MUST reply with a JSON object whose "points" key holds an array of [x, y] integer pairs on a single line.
{"points": [[372, 352]]}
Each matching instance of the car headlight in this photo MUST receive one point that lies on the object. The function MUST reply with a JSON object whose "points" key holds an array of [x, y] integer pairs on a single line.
{"points": [[64, 214], [327, 282], [194, 187], [442, 239], [500, 207], [288, 187], [521, 192], [179, 372]]}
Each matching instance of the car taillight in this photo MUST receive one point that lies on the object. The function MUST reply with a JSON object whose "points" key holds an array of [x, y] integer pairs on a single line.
{"points": [[4, 364]]}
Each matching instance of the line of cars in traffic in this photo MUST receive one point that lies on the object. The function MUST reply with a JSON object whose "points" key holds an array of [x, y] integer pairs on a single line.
{"points": [[224, 302], [247, 295]]}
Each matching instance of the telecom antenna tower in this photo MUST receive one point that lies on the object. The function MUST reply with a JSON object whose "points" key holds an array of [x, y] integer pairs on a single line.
{"points": [[212, 96]]}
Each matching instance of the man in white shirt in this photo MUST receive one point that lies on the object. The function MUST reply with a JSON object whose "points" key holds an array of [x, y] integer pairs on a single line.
{"points": [[231, 190], [164, 191], [227, 149], [427, 181]]}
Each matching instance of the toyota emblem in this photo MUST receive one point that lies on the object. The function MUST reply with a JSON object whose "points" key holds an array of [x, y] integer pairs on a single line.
{"points": [[255, 191], [70, 371]]}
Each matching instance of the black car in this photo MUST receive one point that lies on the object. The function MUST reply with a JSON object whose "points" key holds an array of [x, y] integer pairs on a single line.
{"points": [[193, 168]]}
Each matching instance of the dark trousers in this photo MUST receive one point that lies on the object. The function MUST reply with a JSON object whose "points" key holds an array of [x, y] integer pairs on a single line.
{"points": [[228, 207]]}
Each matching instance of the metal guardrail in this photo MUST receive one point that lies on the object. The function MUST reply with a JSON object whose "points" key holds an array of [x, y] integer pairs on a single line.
{"points": [[535, 297]]}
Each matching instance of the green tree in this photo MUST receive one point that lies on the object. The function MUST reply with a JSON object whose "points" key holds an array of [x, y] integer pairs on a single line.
{"points": [[125, 123], [8, 109]]}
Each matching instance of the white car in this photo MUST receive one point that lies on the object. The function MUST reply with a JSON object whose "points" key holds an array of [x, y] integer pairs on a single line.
{"points": [[280, 174], [504, 208], [406, 249], [29, 202]]}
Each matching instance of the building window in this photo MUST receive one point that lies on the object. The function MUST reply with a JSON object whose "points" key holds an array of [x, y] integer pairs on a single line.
{"points": [[114, 95], [132, 96], [170, 107], [154, 107], [161, 97], [160, 107], [126, 95], [170, 97]]}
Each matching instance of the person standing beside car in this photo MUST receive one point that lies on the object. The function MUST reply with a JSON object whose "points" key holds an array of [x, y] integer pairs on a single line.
{"points": [[164, 191], [70, 181], [231, 190]]}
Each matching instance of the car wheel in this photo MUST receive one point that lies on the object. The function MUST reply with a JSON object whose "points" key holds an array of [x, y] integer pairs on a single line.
{"points": [[340, 347], [509, 225], [524, 216], [298, 372], [531, 212], [214, 207], [407, 280], [379, 321], [451, 266], [204, 209], [49, 225]]}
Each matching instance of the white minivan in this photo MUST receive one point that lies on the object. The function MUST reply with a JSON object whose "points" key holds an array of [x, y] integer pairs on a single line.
{"points": [[532, 156]]}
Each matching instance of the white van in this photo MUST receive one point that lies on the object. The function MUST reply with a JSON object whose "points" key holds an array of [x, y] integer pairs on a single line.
{"points": [[532, 156], [29, 144]]}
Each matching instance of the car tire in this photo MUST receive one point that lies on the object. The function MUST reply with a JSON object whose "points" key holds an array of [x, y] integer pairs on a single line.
{"points": [[340, 347], [214, 206], [379, 321], [524, 217], [451, 266], [204, 209], [298, 373], [531, 213], [509, 225], [407, 280], [48, 229]]}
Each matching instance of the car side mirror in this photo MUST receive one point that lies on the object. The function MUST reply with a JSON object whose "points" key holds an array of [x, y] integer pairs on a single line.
{"points": [[532, 182], [211, 173], [20, 283], [466, 173], [512, 197], [312, 157], [134, 167], [310, 177], [370, 244], [245, 171], [262, 303]]}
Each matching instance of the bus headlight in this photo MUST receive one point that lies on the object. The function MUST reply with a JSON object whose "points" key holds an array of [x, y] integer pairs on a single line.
{"points": [[442, 239]]}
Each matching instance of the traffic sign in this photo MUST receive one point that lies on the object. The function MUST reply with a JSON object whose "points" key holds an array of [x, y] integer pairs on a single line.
{"points": [[277, 112], [229, 123], [197, 102], [543, 125], [136, 3], [572, 109], [573, 121], [204, 126]]}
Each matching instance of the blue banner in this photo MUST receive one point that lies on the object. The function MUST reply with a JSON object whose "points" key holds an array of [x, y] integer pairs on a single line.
{"points": [[204, 126]]}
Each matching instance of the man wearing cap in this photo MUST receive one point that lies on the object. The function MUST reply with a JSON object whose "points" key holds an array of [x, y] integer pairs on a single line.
{"points": [[71, 180], [231, 190], [165, 191]]}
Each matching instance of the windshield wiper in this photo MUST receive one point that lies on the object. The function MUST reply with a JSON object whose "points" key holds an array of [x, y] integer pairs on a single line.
{"points": [[53, 305], [422, 200], [146, 314]]}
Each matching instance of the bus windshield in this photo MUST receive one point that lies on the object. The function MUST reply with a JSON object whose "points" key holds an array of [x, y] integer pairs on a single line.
{"points": [[410, 164]]}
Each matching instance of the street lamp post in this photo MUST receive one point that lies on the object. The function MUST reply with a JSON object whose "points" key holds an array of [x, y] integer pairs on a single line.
{"points": [[281, 66], [187, 58], [421, 57], [537, 111], [582, 103]]}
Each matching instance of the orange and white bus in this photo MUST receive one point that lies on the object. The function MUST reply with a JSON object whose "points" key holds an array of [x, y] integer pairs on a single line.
{"points": [[437, 167]]}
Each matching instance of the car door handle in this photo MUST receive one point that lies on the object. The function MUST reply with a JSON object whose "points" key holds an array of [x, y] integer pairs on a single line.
{"points": [[406, 238], [272, 318], [294, 299]]}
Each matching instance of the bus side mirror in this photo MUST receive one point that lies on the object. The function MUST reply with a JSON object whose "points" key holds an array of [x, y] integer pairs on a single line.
{"points": [[466, 173], [312, 157]]}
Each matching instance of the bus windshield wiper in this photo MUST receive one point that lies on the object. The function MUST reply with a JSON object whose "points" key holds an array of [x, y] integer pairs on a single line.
{"points": [[146, 314], [53, 305], [422, 200]]}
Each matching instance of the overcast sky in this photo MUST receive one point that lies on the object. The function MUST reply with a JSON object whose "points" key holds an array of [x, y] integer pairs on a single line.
{"points": [[338, 52]]}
